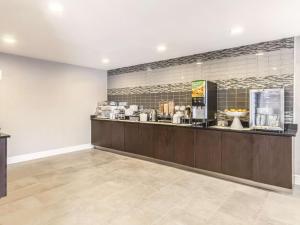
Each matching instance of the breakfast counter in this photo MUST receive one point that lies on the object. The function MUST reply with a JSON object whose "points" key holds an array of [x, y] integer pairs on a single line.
{"points": [[257, 156], [288, 133], [3, 164], [2, 135]]}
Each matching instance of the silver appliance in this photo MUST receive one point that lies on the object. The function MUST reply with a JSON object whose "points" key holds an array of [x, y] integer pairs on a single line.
{"points": [[110, 110], [199, 112], [104, 111], [267, 109], [153, 115]]}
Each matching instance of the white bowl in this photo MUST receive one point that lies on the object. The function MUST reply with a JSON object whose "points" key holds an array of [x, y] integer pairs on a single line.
{"points": [[236, 114], [177, 108], [182, 108]]}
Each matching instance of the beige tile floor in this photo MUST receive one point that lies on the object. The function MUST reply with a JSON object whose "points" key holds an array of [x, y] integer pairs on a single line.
{"points": [[96, 187]]}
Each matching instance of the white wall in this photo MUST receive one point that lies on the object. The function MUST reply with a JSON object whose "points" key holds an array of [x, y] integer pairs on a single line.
{"points": [[297, 103], [46, 105]]}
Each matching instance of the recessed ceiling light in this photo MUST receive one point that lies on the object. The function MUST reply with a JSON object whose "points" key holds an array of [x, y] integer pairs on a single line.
{"points": [[161, 48], [274, 68], [236, 30], [105, 60], [9, 39], [55, 7], [199, 63], [259, 54]]}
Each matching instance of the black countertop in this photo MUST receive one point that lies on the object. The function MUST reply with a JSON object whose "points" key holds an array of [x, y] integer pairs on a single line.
{"points": [[2, 135], [287, 133]]}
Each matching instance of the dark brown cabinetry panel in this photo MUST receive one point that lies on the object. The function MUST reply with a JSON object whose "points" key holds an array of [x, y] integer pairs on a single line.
{"points": [[131, 137], [164, 143], [117, 136], [183, 146], [3, 168], [259, 157], [272, 163], [207, 147], [146, 135], [237, 154], [101, 133]]}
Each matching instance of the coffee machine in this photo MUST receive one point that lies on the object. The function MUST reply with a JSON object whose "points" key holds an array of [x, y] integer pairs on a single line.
{"points": [[204, 102]]}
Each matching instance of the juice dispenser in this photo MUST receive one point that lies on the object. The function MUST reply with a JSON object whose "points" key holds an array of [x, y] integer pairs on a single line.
{"points": [[204, 100]]}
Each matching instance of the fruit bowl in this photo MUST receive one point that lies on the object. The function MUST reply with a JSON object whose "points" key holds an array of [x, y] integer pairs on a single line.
{"points": [[236, 114], [236, 123]]}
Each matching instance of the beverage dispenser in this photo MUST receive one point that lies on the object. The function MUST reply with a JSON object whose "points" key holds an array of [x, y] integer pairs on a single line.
{"points": [[204, 100]]}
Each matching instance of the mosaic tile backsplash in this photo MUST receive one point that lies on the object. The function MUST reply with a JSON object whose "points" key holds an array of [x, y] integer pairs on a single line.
{"points": [[207, 56], [265, 65]]}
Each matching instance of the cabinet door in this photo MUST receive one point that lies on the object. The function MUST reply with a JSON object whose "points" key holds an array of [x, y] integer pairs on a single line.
{"points": [[183, 146], [146, 132], [273, 160], [237, 155], [207, 146], [117, 135], [3, 168], [101, 133], [164, 143], [131, 134]]}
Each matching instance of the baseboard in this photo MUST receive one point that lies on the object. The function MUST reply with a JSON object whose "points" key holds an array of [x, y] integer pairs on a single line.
{"points": [[43, 154], [297, 180]]}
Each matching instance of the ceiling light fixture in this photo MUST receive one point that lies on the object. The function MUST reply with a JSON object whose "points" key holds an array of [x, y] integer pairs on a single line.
{"points": [[161, 48], [9, 39], [55, 7], [199, 63], [236, 30], [259, 54], [105, 60]]}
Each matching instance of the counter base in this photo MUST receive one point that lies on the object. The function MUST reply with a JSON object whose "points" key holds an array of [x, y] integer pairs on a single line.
{"points": [[199, 171], [3, 167]]}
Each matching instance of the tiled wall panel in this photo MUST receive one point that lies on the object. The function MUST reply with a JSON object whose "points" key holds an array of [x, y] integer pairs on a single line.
{"points": [[235, 71], [270, 46], [221, 69]]}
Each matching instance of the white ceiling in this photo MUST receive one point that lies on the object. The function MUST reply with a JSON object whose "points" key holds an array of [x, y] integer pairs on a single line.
{"points": [[128, 31]]}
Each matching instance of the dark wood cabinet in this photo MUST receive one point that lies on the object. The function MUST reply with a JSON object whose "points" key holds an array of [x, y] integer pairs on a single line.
{"points": [[3, 167], [272, 160], [207, 147], [117, 136], [146, 135], [101, 133], [264, 158], [237, 154], [164, 143], [131, 137], [184, 146]]}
